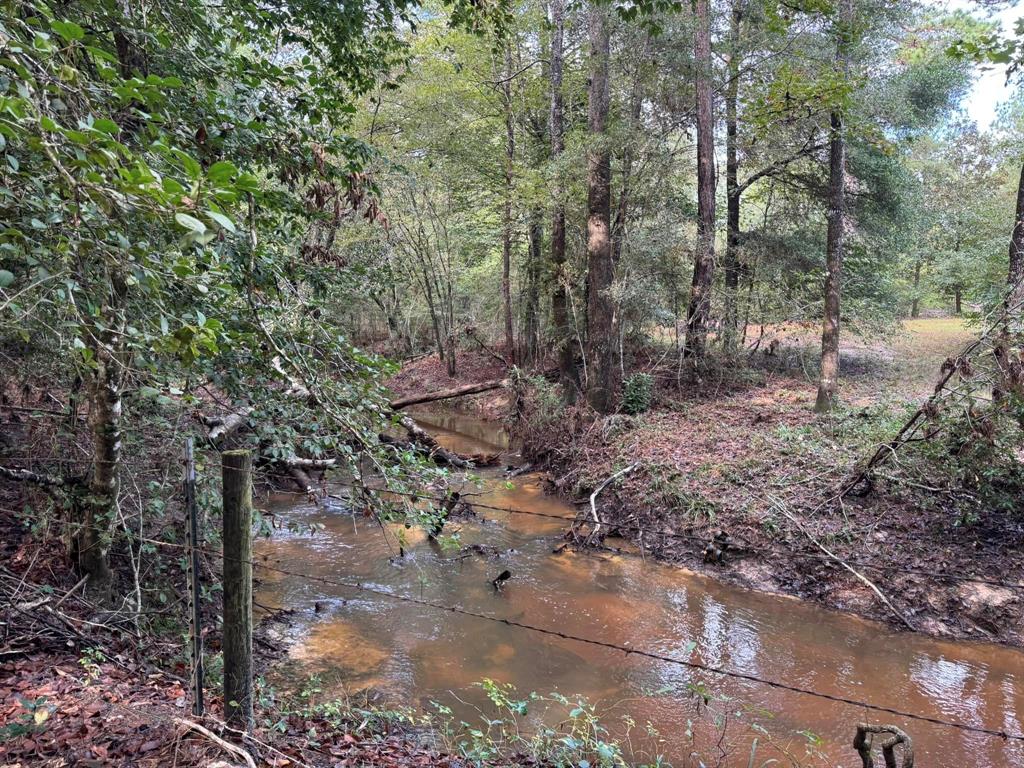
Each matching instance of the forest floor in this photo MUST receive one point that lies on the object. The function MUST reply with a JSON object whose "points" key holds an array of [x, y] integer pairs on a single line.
{"points": [[743, 452]]}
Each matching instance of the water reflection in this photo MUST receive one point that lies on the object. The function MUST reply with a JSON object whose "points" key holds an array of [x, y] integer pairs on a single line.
{"points": [[418, 654]]}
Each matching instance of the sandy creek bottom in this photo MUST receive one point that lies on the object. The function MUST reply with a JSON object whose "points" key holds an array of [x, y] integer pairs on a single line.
{"points": [[417, 655]]}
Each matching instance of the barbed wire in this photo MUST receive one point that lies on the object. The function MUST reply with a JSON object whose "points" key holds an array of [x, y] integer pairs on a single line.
{"points": [[360, 587], [699, 666]]}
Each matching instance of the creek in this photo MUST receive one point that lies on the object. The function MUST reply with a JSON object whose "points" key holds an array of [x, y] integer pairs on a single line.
{"points": [[417, 655]]}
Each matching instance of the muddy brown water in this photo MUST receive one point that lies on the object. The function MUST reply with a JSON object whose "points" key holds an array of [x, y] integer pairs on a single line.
{"points": [[419, 655]]}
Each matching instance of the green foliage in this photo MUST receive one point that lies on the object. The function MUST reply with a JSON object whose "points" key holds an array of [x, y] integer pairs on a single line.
{"points": [[581, 739], [31, 721], [637, 393]]}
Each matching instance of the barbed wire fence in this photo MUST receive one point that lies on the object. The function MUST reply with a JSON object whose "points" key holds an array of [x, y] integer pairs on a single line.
{"points": [[191, 550]]}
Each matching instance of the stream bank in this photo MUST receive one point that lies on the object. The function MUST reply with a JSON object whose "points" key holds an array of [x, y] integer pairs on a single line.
{"points": [[753, 452], [752, 463]]}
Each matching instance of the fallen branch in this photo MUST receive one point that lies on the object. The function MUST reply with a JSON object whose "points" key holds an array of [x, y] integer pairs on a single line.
{"points": [[860, 576], [471, 332], [447, 394], [601, 487], [221, 429], [27, 476], [70, 592], [225, 745], [952, 367]]}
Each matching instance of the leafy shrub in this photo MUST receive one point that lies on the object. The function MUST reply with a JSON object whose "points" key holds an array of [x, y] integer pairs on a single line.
{"points": [[637, 393], [972, 465]]}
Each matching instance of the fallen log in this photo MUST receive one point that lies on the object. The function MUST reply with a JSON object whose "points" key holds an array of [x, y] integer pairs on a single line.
{"points": [[223, 427], [300, 463], [426, 440], [302, 479], [420, 439], [447, 394], [27, 476]]}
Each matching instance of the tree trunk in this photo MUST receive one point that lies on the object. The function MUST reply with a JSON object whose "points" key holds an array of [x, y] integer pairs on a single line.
{"points": [[828, 383], [98, 511], [506, 240], [958, 305], [915, 306], [559, 297], [1015, 277], [1011, 377], [450, 357], [732, 187], [600, 308], [699, 310], [622, 207], [531, 315], [435, 322]]}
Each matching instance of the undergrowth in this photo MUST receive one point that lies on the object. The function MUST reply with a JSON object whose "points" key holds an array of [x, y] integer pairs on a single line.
{"points": [[560, 731]]}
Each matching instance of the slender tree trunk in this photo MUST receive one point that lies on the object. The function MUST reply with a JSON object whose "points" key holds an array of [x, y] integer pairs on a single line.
{"points": [[622, 207], [958, 307], [434, 320], [559, 297], [699, 310], [1015, 276], [452, 337], [732, 187], [915, 306], [98, 511], [506, 244], [600, 269], [828, 383], [531, 319]]}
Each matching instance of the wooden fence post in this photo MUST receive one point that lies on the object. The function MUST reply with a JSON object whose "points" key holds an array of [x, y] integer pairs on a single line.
{"points": [[194, 625], [237, 479]]}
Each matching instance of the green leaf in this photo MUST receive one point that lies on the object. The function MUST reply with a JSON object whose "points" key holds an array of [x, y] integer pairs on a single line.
{"points": [[221, 172], [6, 278], [190, 222], [192, 168], [68, 30], [106, 126], [223, 220]]}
